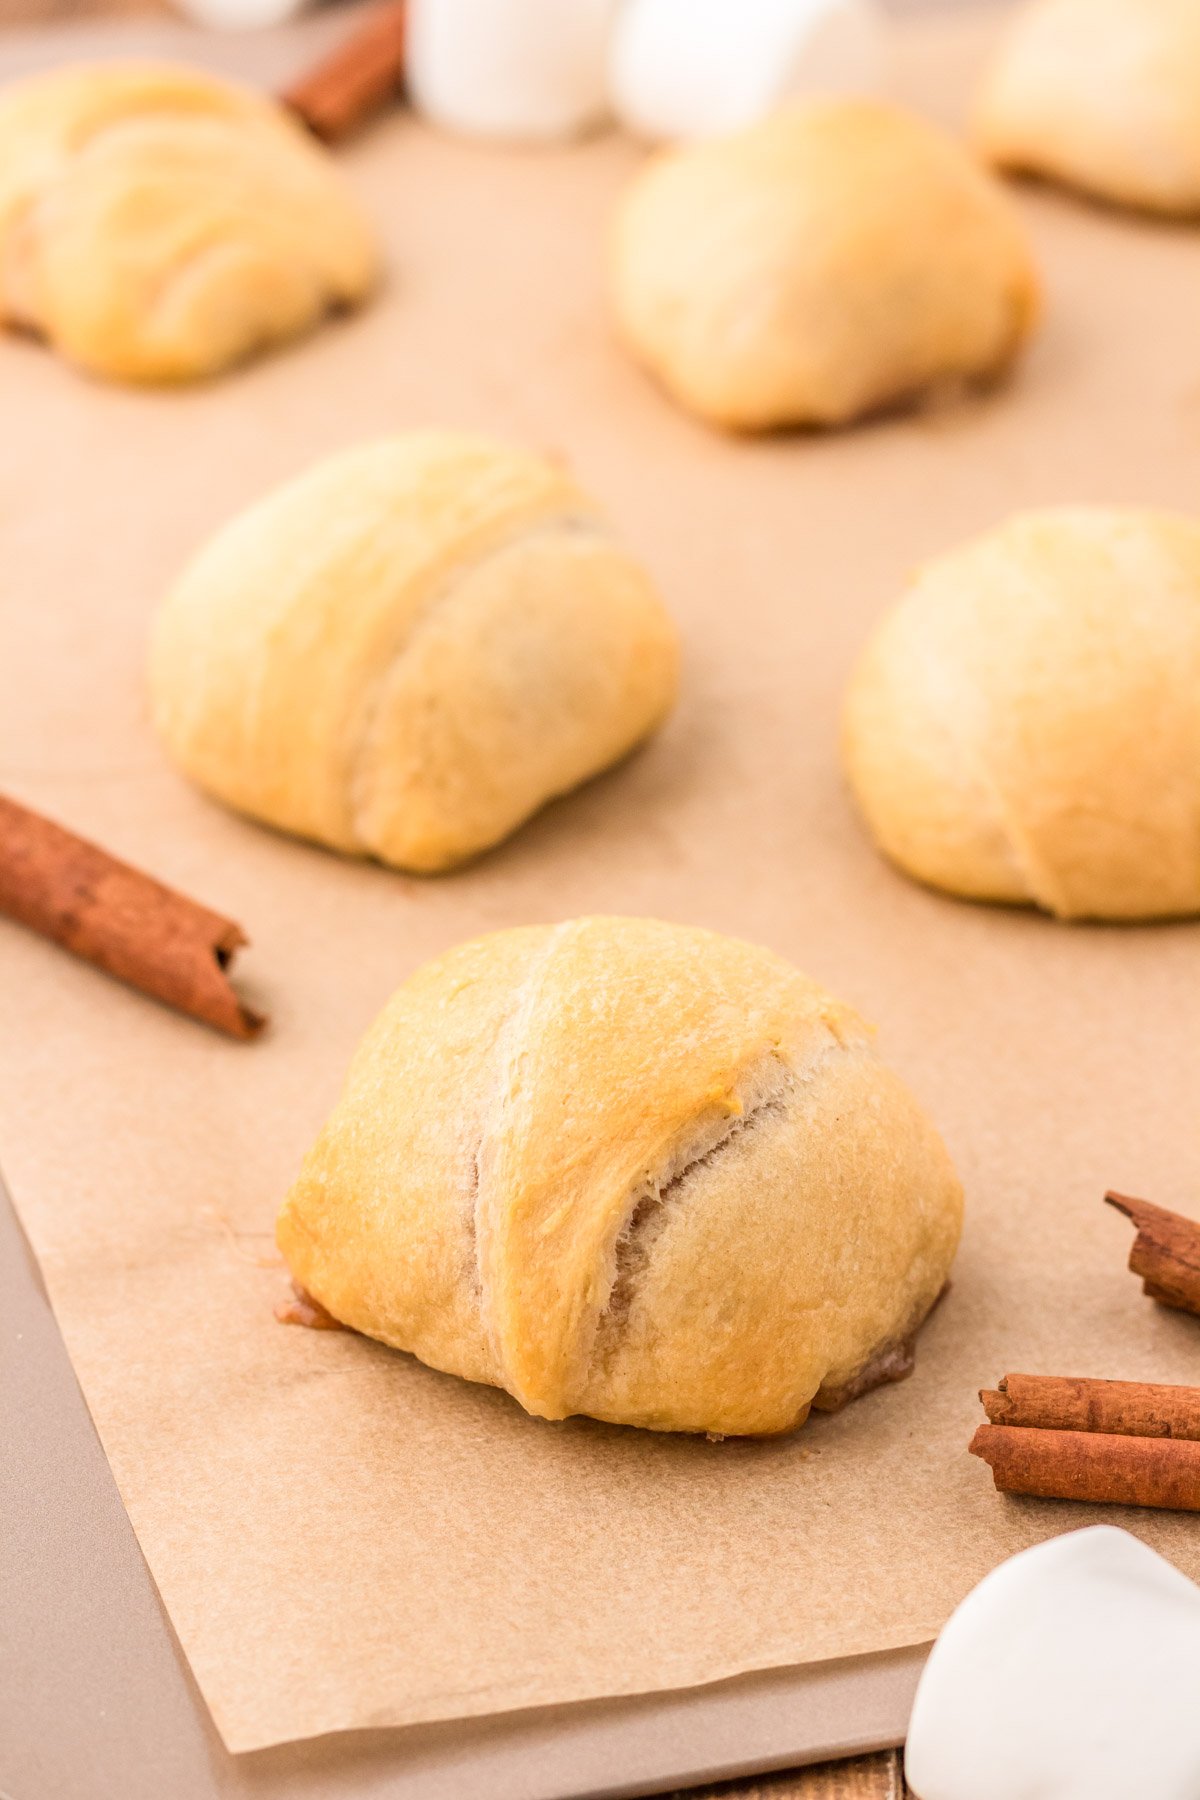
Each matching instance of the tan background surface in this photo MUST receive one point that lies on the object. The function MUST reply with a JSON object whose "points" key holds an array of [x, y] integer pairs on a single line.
{"points": [[1056, 1061]]}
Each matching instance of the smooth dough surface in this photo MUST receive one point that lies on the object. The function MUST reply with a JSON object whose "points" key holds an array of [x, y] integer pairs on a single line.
{"points": [[408, 650], [1103, 95], [836, 258], [627, 1169], [1025, 725], [157, 224]]}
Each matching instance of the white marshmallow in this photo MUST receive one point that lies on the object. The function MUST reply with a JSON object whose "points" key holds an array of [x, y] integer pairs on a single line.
{"points": [[241, 15], [1072, 1672], [521, 69], [695, 68]]}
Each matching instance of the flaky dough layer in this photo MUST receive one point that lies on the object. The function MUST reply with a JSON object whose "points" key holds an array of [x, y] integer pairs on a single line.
{"points": [[1025, 724], [157, 224], [632, 1170], [836, 258]]}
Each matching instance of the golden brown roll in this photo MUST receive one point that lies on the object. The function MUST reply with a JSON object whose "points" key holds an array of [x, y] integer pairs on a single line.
{"points": [[1103, 95], [632, 1170], [1025, 724], [157, 224], [838, 257], [408, 650]]}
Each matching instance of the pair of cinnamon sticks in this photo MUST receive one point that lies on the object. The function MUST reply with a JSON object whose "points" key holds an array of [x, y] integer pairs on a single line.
{"points": [[1130, 1443]]}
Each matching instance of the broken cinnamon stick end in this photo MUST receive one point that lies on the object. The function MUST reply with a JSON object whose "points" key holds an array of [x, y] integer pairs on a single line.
{"points": [[1148, 1216], [1134, 1210], [238, 1019], [230, 940], [1165, 1252], [302, 1309], [248, 1024], [987, 1444], [980, 1441]]}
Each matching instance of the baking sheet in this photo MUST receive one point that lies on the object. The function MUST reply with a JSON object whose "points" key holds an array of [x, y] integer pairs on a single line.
{"points": [[97, 1702], [342, 1538]]}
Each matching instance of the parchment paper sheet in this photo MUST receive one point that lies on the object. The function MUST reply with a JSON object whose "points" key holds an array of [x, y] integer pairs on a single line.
{"points": [[342, 1537]]}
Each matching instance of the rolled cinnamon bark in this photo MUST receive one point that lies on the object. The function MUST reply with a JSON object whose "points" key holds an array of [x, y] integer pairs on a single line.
{"points": [[125, 922], [358, 77], [1073, 1403], [1166, 1252], [1093, 1466]]}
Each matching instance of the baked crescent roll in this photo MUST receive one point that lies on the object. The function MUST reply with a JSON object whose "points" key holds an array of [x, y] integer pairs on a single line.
{"points": [[834, 259], [158, 224], [408, 650], [1025, 724], [632, 1170], [1103, 95]]}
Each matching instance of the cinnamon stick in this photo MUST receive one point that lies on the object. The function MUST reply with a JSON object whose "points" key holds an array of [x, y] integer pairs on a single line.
{"points": [[125, 922], [1166, 1252], [1092, 1466], [355, 79], [1073, 1403]]}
